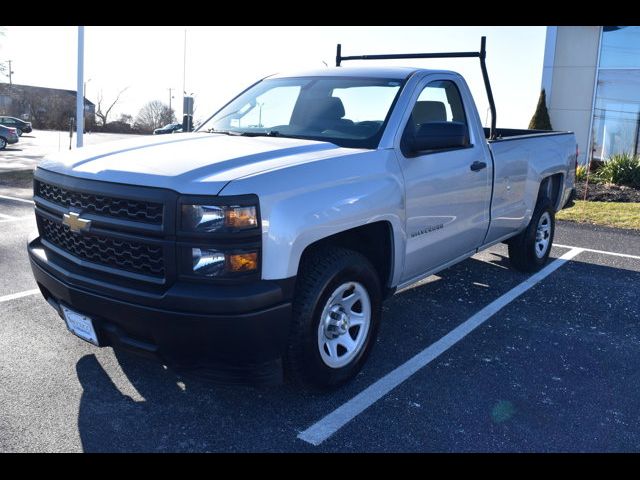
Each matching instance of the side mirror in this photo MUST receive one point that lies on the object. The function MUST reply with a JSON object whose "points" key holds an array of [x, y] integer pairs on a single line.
{"points": [[437, 135]]}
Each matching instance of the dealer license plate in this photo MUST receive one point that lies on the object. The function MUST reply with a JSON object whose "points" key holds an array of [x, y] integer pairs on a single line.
{"points": [[80, 325]]}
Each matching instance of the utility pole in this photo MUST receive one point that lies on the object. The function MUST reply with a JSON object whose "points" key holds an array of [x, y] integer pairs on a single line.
{"points": [[184, 65], [170, 97], [84, 95], [10, 72], [80, 89]]}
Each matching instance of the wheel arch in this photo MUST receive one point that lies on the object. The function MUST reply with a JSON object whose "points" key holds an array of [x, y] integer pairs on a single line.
{"points": [[373, 240], [551, 187]]}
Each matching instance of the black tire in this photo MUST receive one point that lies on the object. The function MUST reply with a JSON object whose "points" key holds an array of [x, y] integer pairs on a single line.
{"points": [[322, 272], [522, 247], [19, 132], [3, 143]]}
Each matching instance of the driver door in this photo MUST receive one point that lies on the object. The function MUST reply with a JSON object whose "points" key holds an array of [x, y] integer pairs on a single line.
{"points": [[448, 190]]}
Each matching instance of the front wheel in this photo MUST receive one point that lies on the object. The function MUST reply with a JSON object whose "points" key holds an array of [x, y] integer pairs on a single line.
{"points": [[3, 143], [336, 314], [19, 132], [529, 250]]}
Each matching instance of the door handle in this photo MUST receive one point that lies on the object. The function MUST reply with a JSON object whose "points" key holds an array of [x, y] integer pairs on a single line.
{"points": [[477, 166]]}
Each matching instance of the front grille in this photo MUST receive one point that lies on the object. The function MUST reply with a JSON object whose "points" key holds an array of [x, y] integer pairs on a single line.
{"points": [[129, 255], [133, 210]]}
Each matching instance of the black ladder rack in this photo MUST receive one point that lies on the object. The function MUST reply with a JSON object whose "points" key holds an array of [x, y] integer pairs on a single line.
{"points": [[482, 54]]}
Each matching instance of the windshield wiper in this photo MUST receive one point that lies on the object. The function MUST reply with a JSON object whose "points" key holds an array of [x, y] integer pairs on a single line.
{"points": [[224, 132], [270, 133]]}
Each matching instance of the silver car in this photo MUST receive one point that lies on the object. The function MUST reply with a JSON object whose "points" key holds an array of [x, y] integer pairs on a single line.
{"points": [[8, 135]]}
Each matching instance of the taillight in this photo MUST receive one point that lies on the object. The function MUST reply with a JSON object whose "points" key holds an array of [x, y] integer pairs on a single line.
{"points": [[577, 154]]}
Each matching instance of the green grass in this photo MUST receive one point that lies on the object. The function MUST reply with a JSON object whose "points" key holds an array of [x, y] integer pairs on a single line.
{"points": [[610, 214]]}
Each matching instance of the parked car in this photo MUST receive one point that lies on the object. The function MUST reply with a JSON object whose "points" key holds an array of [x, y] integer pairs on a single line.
{"points": [[8, 136], [169, 128], [226, 249], [20, 125]]}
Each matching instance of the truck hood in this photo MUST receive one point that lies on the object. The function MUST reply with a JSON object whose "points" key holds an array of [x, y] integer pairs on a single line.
{"points": [[196, 163]]}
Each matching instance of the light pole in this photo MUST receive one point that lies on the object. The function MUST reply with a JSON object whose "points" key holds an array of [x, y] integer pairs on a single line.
{"points": [[170, 97], [84, 90], [260, 114], [79, 98]]}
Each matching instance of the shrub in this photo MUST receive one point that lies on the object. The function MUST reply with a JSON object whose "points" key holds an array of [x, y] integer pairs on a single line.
{"points": [[540, 119], [620, 169]]}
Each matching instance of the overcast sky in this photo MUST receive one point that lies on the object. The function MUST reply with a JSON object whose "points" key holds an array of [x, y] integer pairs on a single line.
{"points": [[222, 61]]}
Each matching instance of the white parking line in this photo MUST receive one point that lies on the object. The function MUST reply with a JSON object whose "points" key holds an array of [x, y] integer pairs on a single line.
{"points": [[604, 252], [14, 296], [13, 219], [16, 199], [324, 428], [6, 217]]}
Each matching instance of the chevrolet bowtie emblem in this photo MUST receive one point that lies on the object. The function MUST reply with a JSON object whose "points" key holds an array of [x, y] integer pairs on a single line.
{"points": [[75, 223]]}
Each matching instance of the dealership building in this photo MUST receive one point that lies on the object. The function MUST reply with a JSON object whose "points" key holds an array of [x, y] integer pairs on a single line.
{"points": [[591, 76]]}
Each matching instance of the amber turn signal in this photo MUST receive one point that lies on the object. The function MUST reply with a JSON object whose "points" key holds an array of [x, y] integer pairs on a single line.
{"points": [[242, 262]]}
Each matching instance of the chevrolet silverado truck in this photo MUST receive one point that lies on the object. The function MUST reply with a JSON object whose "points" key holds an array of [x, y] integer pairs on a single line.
{"points": [[272, 235]]}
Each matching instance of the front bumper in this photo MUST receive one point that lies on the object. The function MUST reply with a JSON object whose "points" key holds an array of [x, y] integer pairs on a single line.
{"points": [[188, 325]]}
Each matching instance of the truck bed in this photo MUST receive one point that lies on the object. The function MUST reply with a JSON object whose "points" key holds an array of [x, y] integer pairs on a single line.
{"points": [[521, 159]]}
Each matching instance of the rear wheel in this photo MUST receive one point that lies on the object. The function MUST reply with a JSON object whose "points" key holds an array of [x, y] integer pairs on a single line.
{"points": [[529, 250], [336, 315], [3, 143]]}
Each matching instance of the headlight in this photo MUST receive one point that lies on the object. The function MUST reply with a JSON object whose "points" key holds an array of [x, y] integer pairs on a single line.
{"points": [[214, 218], [209, 262]]}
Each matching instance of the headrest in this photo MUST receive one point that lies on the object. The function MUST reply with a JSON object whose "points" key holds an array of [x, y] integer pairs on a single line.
{"points": [[429, 111], [328, 107]]}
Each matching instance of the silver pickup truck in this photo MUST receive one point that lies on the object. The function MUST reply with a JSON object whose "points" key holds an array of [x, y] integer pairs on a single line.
{"points": [[272, 234]]}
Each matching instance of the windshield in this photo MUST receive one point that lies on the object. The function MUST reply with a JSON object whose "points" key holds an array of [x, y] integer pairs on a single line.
{"points": [[349, 112]]}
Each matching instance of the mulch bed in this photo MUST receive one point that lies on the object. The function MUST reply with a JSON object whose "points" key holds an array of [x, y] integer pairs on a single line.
{"points": [[607, 193]]}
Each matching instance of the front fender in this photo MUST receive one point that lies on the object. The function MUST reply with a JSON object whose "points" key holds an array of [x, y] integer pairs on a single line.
{"points": [[307, 202]]}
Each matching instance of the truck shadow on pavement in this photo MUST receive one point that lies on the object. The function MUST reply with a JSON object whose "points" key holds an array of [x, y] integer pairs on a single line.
{"points": [[163, 411]]}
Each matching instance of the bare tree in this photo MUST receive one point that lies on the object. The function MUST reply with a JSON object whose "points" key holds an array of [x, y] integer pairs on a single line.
{"points": [[103, 114], [126, 118], [153, 115], [45, 109]]}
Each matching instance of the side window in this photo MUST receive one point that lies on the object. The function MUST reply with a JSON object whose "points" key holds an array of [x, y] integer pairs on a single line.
{"points": [[437, 120]]}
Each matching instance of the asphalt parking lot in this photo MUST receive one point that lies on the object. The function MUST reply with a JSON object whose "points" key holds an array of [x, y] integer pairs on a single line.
{"points": [[555, 369]]}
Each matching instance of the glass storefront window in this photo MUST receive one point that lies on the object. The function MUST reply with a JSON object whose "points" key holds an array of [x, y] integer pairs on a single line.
{"points": [[620, 47], [616, 122]]}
